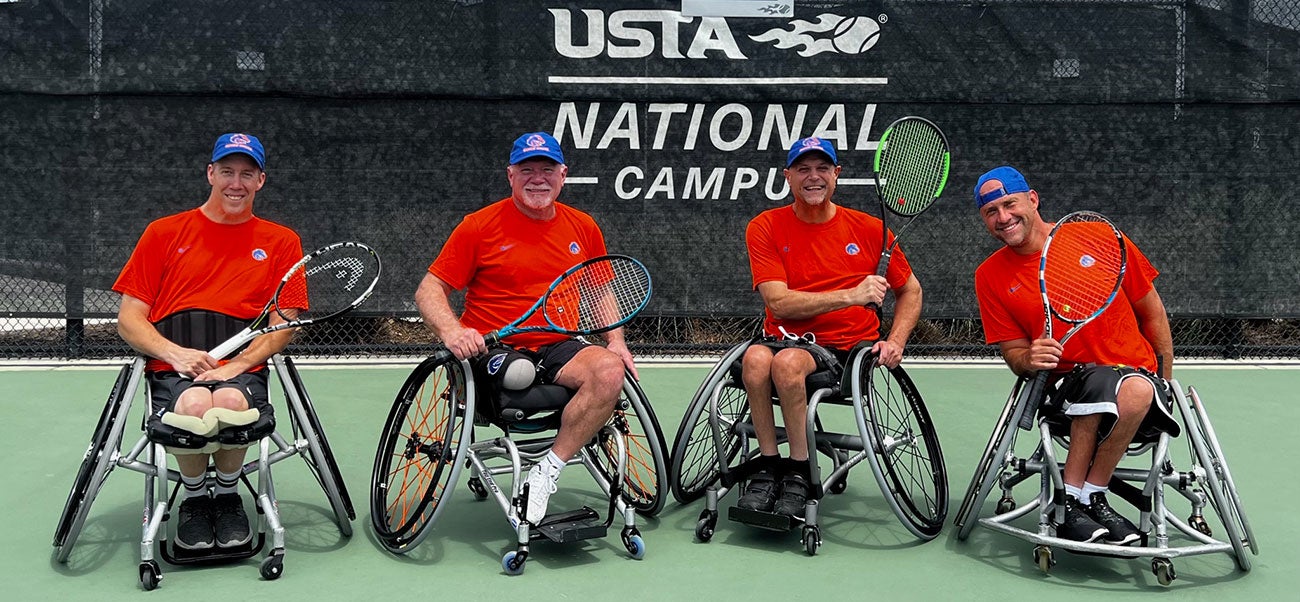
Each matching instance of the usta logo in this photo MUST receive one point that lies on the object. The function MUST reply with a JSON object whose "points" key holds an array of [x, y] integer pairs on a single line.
{"points": [[635, 34]]}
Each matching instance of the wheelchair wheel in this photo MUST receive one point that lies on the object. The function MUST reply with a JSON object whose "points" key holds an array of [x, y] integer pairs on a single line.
{"points": [[646, 482], [320, 458], [695, 457], [1223, 491], [986, 473], [908, 462], [421, 451], [96, 464]]}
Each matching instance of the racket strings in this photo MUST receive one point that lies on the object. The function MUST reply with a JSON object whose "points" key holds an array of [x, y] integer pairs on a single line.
{"points": [[1083, 266], [913, 166], [329, 282], [598, 295]]}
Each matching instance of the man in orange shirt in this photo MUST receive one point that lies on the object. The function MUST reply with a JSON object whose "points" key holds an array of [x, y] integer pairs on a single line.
{"points": [[814, 263], [194, 278], [1107, 370], [505, 256]]}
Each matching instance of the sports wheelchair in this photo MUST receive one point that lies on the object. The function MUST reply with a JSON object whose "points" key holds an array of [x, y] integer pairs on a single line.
{"points": [[894, 435], [430, 436], [149, 457], [1204, 481]]}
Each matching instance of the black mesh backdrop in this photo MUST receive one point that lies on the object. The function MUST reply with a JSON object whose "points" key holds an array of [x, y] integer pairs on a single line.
{"points": [[386, 121]]}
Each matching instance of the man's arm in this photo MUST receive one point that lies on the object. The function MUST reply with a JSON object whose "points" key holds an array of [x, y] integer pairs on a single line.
{"points": [[134, 327], [907, 311], [1153, 322], [787, 304], [433, 299]]}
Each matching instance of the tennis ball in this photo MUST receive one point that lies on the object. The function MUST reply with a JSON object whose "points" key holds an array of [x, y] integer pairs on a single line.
{"points": [[854, 35]]}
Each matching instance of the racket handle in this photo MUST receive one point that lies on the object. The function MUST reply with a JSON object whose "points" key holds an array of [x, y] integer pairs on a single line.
{"points": [[221, 351], [881, 268], [1034, 400]]}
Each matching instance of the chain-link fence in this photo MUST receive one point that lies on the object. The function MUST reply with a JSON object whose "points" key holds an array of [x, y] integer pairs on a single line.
{"points": [[387, 120]]}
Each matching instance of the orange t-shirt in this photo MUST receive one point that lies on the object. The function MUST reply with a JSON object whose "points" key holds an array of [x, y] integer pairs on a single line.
{"points": [[1011, 308], [505, 261], [832, 256], [187, 261]]}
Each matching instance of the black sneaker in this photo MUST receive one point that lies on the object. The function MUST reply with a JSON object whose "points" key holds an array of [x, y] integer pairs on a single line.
{"points": [[231, 523], [194, 529], [1078, 525], [794, 495], [1120, 531], [760, 494]]}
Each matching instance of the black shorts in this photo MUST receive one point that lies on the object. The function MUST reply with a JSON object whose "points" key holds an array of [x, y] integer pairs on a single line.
{"points": [[549, 359], [166, 387], [1089, 390]]}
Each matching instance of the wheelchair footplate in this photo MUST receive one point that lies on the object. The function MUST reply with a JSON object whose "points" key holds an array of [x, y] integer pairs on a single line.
{"points": [[763, 520], [571, 526], [177, 555]]}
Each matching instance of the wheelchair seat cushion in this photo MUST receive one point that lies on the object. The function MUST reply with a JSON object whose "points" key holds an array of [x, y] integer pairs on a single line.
{"points": [[218, 428], [515, 406]]}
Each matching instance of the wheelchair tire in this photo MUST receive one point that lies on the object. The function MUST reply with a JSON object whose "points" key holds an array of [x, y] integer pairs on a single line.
{"points": [[95, 465], [320, 457], [646, 483], [694, 463], [986, 472], [907, 460], [421, 451], [1223, 491]]}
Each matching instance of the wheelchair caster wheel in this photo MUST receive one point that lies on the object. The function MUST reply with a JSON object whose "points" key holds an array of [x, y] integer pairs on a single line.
{"points": [[150, 575], [1200, 524], [1043, 558], [1163, 568], [705, 525], [476, 486], [635, 546], [1006, 504], [272, 566], [513, 563], [812, 539]]}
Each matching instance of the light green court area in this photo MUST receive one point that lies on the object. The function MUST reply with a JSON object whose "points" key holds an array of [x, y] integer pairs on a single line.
{"points": [[49, 415]]}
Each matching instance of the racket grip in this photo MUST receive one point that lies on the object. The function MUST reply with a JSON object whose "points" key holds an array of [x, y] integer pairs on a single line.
{"points": [[1034, 400], [230, 345]]}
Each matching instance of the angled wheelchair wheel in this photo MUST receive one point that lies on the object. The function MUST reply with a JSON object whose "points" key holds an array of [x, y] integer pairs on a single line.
{"points": [[990, 464], [421, 451], [694, 464], [1223, 491], [320, 457], [98, 461], [646, 483], [908, 462]]}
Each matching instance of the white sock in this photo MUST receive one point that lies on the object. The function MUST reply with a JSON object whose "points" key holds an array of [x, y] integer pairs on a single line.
{"points": [[1071, 490], [553, 464], [196, 486], [227, 483], [1089, 489]]}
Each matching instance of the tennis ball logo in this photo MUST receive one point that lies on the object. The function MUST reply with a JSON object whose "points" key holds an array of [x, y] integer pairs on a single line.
{"points": [[855, 35]]}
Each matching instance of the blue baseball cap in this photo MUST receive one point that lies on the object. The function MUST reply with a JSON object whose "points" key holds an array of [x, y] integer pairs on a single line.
{"points": [[229, 144], [808, 145], [1012, 182], [534, 145]]}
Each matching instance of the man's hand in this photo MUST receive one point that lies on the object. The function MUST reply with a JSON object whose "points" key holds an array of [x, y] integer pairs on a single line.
{"points": [[620, 349], [870, 291], [890, 354], [465, 343], [1044, 354], [221, 374], [190, 362]]}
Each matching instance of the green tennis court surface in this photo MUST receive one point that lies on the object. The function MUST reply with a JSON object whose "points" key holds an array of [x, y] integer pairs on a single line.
{"points": [[49, 415]]}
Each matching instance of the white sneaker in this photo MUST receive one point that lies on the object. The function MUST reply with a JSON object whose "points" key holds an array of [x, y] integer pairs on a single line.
{"points": [[541, 484]]}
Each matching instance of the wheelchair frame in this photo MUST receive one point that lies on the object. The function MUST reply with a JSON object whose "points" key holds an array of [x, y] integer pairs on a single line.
{"points": [[891, 419], [150, 459], [429, 438], [1207, 481]]}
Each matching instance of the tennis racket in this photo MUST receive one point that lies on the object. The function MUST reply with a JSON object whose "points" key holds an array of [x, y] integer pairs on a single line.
{"points": [[595, 296], [1079, 275], [325, 284], [911, 166]]}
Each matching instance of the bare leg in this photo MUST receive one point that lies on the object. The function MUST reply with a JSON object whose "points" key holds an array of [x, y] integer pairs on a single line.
{"points": [[757, 373], [1134, 400], [790, 369], [597, 375]]}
